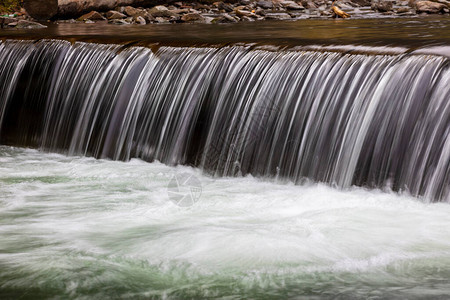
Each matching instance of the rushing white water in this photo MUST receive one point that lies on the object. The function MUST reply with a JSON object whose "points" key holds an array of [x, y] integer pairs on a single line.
{"points": [[345, 119], [81, 227]]}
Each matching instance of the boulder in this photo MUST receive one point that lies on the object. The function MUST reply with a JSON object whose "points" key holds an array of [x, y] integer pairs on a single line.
{"points": [[41, 9], [114, 14], [382, 5], [91, 16], [429, 7], [24, 24]]}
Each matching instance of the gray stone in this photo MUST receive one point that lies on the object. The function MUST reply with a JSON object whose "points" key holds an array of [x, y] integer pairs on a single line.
{"points": [[291, 5], [91, 16], [382, 5], [229, 19], [308, 4], [265, 4], [277, 16], [161, 20], [429, 7], [402, 10], [4, 21], [134, 12], [362, 2], [139, 20], [181, 11], [114, 14], [445, 2], [118, 22], [225, 6], [161, 11]]}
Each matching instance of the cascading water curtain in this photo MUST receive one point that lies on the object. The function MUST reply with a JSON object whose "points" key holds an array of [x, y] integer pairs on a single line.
{"points": [[369, 120]]}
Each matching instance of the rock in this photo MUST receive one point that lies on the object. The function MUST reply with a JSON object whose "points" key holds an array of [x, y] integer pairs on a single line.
{"points": [[161, 11], [225, 6], [114, 14], [161, 20], [265, 4], [134, 12], [193, 17], [149, 18], [402, 10], [139, 20], [260, 11], [429, 7], [69, 21], [308, 4], [342, 6], [291, 5], [41, 9], [362, 2], [224, 18], [277, 16], [24, 24], [118, 22], [382, 5], [181, 11], [445, 2], [244, 13], [245, 2], [4, 21], [157, 8], [247, 19], [91, 16]]}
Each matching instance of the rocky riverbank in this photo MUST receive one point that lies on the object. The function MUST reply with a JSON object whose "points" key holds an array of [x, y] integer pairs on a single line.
{"points": [[242, 11]]}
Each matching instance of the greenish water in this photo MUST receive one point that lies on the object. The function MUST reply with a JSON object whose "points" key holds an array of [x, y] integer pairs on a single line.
{"points": [[81, 228]]}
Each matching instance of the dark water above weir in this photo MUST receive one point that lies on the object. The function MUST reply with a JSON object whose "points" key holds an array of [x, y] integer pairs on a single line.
{"points": [[344, 119], [409, 33]]}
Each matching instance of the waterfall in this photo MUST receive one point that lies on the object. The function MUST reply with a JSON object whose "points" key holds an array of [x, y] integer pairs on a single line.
{"points": [[345, 119]]}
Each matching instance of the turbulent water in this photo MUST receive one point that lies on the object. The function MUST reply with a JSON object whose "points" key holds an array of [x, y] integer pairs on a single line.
{"points": [[345, 119], [212, 172], [75, 227]]}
